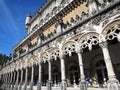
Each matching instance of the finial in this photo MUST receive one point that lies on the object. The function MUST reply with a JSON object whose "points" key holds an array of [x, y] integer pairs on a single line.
{"points": [[29, 14]]}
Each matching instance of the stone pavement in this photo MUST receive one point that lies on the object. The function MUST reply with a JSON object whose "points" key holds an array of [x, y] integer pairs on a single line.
{"points": [[72, 88]]}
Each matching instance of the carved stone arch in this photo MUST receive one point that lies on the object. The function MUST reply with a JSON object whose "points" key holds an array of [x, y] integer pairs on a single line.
{"points": [[112, 30], [45, 56], [47, 16], [54, 10], [35, 59], [55, 53], [65, 2], [87, 40], [41, 21], [70, 47]]}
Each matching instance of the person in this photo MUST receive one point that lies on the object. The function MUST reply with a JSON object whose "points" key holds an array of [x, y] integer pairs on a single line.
{"points": [[87, 78]]}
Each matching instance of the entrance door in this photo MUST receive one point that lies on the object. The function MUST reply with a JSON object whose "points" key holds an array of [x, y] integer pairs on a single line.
{"points": [[73, 75], [101, 72]]}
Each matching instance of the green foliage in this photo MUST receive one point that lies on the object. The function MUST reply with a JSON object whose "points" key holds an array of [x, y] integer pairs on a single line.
{"points": [[4, 59]]}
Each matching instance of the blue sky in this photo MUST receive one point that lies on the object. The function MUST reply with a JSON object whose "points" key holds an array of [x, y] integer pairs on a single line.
{"points": [[12, 21]]}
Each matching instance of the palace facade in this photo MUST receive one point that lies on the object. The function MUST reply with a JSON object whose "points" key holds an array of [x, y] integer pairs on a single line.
{"points": [[69, 43]]}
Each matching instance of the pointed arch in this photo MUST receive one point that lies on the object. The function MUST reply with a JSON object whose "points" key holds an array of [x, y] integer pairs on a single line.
{"points": [[70, 47], [87, 40], [112, 30]]}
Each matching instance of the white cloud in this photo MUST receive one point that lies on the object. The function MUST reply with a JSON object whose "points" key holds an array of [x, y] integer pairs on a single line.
{"points": [[10, 20]]}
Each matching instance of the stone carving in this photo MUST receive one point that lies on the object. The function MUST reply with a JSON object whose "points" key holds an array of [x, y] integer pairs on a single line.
{"points": [[55, 54], [92, 6], [69, 48], [88, 40]]}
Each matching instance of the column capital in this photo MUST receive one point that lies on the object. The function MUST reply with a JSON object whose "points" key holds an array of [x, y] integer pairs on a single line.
{"points": [[79, 51], [62, 56], [103, 44]]}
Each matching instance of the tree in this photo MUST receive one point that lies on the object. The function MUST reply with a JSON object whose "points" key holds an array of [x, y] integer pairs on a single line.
{"points": [[4, 59]]}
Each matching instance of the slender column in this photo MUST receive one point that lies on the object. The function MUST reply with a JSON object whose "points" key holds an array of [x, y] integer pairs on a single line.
{"points": [[7, 80], [82, 82], [39, 79], [16, 83], [63, 84], [2, 78], [49, 84], [32, 78], [26, 77], [14, 77], [112, 82], [8, 77], [17, 77], [11, 79], [21, 76], [20, 88]]}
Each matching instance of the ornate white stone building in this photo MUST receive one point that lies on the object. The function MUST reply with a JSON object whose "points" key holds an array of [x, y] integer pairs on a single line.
{"points": [[70, 43]]}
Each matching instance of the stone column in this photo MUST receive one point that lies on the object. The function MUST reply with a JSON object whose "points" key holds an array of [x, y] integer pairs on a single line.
{"points": [[16, 84], [39, 79], [9, 77], [14, 77], [63, 78], [3, 79], [32, 78], [7, 82], [82, 76], [11, 80], [49, 71], [20, 85], [112, 82], [26, 77]]}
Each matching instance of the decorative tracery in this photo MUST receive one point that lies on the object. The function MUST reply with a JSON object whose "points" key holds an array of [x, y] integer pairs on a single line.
{"points": [[113, 32], [88, 40], [69, 48], [44, 57], [55, 54]]}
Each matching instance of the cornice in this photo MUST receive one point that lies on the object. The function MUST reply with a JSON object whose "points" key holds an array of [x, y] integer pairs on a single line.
{"points": [[51, 18]]}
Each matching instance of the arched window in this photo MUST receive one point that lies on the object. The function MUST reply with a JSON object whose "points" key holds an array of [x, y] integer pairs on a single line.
{"points": [[101, 72], [73, 75]]}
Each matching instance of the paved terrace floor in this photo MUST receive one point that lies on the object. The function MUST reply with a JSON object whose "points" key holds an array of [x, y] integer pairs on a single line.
{"points": [[71, 88]]}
